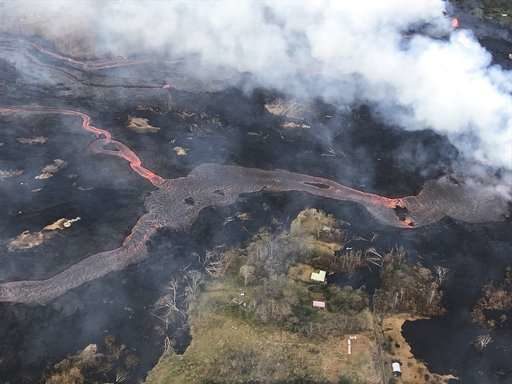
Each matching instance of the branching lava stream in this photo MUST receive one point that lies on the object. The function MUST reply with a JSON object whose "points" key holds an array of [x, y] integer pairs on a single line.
{"points": [[103, 138], [176, 204]]}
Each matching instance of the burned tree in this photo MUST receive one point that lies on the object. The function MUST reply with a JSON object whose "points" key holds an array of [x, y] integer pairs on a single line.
{"points": [[407, 288], [481, 342]]}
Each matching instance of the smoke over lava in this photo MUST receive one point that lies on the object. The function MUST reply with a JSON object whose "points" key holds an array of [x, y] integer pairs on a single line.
{"points": [[346, 52]]}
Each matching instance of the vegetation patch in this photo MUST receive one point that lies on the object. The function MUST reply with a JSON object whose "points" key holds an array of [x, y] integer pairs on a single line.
{"points": [[494, 308], [110, 362], [253, 320], [406, 288]]}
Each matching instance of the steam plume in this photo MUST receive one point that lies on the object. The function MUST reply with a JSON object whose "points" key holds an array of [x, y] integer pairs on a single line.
{"points": [[345, 51]]}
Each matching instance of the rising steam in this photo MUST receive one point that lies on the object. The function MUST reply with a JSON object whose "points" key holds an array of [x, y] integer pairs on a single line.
{"points": [[344, 51]]}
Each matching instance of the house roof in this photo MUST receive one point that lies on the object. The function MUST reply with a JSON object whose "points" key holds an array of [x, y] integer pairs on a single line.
{"points": [[318, 276]]}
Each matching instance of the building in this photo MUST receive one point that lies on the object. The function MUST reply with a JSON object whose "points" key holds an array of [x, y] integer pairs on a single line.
{"points": [[318, 276], [319, 304], [396, 367]]}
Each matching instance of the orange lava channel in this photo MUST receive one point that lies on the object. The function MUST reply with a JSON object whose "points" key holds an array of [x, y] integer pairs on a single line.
{"points": [[103, 138]]}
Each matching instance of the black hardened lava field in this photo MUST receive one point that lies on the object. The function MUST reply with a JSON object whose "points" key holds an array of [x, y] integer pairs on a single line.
{"points": [[208, 167]]}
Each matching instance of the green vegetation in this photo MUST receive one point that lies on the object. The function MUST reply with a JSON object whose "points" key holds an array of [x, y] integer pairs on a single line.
{"points": [[253, 321], [95, 365], [408, 288], [496, 298], [255, 324], [232, 344]]}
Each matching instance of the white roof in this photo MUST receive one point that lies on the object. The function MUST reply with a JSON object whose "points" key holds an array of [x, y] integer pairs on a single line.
{"points": [[318, 276], [396, 367], [318, 304]]}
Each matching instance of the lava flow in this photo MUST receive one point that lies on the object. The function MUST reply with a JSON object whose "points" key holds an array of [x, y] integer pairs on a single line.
{"points": [[81, 71], [176, 204], [103, 138], [88, 65]]}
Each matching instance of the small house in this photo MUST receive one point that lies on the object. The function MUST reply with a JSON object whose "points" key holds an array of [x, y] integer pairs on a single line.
{"points": [[396, 368], [319, 304], [318, 276]]}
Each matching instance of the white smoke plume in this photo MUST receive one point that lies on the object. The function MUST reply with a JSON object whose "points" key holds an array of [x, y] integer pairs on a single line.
{"points": [[344, 51]]}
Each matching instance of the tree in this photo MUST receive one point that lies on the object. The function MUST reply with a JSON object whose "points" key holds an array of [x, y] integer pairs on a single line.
{"points": [[482, 341], [248, 273], [166, 307], [441, 273], [194, 282]]}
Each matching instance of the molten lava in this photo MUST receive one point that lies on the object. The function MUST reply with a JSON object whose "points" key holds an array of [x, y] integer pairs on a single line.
{"points": [[103, 138], [176, 203]]}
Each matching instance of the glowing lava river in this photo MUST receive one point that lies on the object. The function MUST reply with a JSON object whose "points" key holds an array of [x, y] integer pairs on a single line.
{"points": [[176, 204], [103, 138]]}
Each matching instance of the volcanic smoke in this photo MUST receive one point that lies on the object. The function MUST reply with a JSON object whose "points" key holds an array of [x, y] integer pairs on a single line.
{"points": [[343, 51]]}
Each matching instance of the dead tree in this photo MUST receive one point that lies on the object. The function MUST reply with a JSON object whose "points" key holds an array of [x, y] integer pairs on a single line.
{"points": [[194, 281], [216, 262], [212, 263], [349, 261], [248, 272], [166, 307], [441, 274], [168, 348], [121, 377], [433, 292], [482, 341], [374, 258]]}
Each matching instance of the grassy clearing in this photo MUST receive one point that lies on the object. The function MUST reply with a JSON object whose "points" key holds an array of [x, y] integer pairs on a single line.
{"points": [[228, 348]]}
